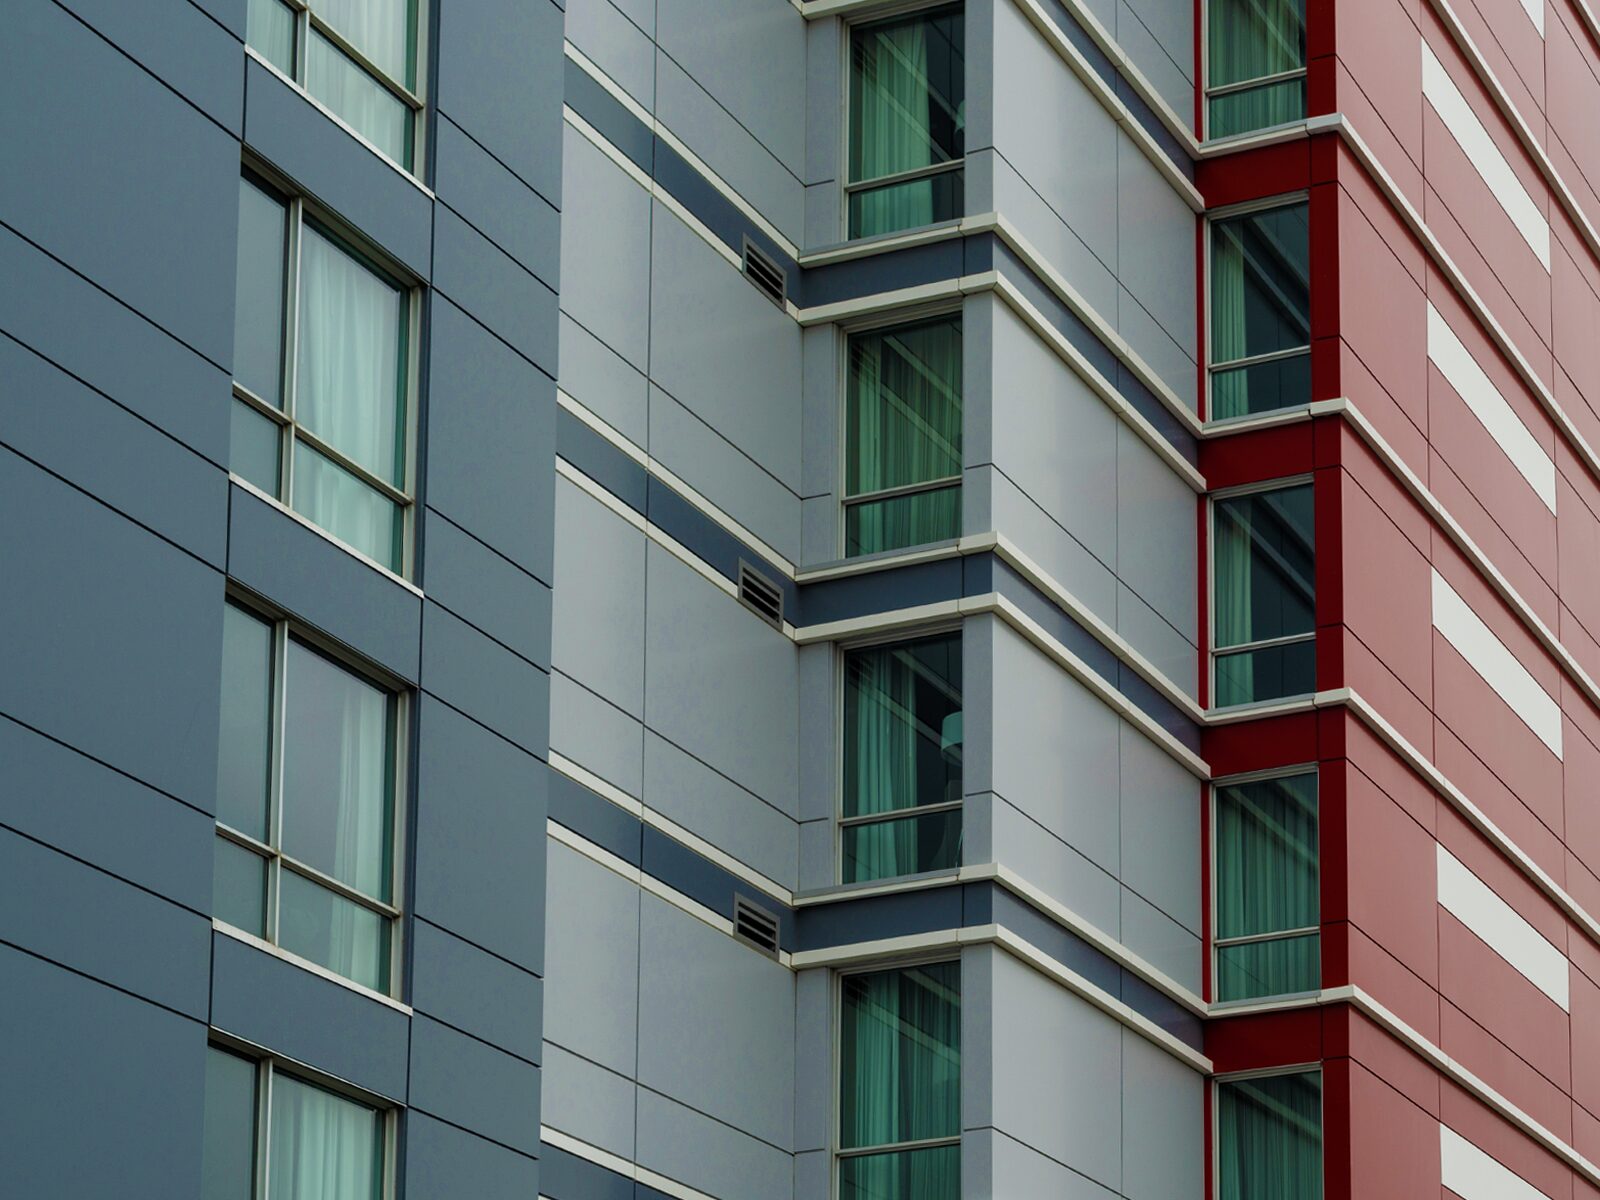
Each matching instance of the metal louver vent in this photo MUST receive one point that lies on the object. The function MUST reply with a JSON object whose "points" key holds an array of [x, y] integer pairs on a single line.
{"points": [[760, 595], [767, 275], [755, 926]]}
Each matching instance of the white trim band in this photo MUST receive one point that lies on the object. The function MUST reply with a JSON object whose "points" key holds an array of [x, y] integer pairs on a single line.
{"points": [[1502, 928]]}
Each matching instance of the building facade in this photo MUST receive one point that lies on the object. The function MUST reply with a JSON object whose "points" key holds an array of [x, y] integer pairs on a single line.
{"points": [[803, 599]]}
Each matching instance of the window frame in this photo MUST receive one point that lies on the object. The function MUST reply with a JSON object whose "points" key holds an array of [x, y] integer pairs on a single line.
{"points": [[284, 629], [298, 212], [1213, 651], [1304, 1068], [848, 187], [1219, 943], [306, 19], [1228, 212], [1208, 91]]}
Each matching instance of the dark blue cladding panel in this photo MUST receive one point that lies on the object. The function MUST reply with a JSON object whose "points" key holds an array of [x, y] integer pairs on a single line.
{"points": [[1156, 706], [113, 637], [884, 272], [607, 116], [1038, 607], [84, 121], [491, 437], [564, 1176], [702, 536], [273, 1003], [504, 208], [78, 434], [296, 137], [475, 991], [230, 14], [486, 681], [681, 868], [55, 794], [103, 1094], [595, 818], [880, 591], [1061, 944], [480, 838], [500, 80], [843, 922], [488, 591], [1162, 1010], [602, 462], [129, 359], [82, 918], [446, 1163], [502, 294], [1155, 127], [461, 1080], [321, 584]]}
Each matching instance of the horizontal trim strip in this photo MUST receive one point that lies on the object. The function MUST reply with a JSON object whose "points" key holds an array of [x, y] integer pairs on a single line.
{"points": [[1502, 928]]}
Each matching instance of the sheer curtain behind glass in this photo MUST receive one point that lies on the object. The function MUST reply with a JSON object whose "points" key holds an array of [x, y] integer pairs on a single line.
{"points": [[1267, 882], [1269, 1137], [1264, 589], [1260, 305], [1253, 39], [323, 1147]]}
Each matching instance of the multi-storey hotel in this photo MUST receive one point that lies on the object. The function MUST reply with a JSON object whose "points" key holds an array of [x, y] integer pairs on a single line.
{"points": [[800, 599]]}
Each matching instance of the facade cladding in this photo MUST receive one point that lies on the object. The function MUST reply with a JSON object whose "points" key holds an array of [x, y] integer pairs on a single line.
{"points": [[803, 599]]}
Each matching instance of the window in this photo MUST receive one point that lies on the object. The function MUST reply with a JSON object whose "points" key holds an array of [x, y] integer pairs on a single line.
{"points": [[358, 57], [900, 1084], [322, 349], [306, 784], [902, 758], [1269, 1137], [903, 436], [907, 122], [1260, 311], [1255, 66], [272, 1135], [1267, 906], [1264, 590]]}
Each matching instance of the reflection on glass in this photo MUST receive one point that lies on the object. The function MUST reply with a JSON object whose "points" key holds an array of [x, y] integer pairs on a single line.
{"points": [[880, 849], [269, 29], [1269, 1137], [381, 29], [371, 109], [258, 292], [353, 511], [1255, 39], [1264, 590], [333, 931], [254, 442], [239, 888], [1260, 305], [244, 755]]}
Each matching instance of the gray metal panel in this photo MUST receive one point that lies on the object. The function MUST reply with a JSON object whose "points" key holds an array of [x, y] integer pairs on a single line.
{"points": [[1160, 941], [600, 379], [586, 1101], [1161, 813], [1051, 235], [596, 734], [484, 680], [503, 208], [461, 1080], [1017, 1169], [265, 1000], [444, 1163], [321, 584], [708, 1155], [592, 1004], [487, 590], [1152, 636], [475, 991], [616, 45], [1163, 1124], [1060, 554], [600, 606], [508, 299], [1156, 545], [1049, 863], [813, 1058], [480, 836], [1158, 35], [151, 644]]}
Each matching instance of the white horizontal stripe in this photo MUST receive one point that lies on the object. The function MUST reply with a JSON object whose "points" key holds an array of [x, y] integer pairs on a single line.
{"points": [[1484, 154], [1473, 1175], [1461, 370], [1481, 909], [1535, 10], [1499, 668]]}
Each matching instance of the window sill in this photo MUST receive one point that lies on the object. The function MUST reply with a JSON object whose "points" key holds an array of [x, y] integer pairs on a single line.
{"points": [[305, 964]]}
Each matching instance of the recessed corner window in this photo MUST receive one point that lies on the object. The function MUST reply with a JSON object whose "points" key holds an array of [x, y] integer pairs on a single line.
{"points": [[1260, 311], [306, 813], [1264, 593], [902, 758], [322, 374], [907, 122], [903, 437], [1269, 1137], [359, 57], [900, 1084], [1267, 904], [1255, 65]]}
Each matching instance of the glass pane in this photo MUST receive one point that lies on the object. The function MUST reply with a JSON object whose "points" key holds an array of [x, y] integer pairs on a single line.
{"points": [[1269, 1137], [914, 520], [369, 108], [228, 1160], [380, 29], [323, 1147], [903, 406], [884, 849], [907, 205], [244, 758], [239, 888], [900, 1055], [352, 510], [1251, 675], [258, 290], [351, 372], [1261, 387], [1260, 283], [1252, 38], [332, 931], [902, 725], [1265, 566], [1280, 967], [253, 444], [907, 84], [931, 1174], [1267, 856], [338, 772], [1256, 108], [270, 30]]}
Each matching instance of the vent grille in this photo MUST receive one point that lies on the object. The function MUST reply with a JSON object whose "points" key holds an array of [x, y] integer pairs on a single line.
{"points": [[755, 926], [771, 279], [760, 595]]}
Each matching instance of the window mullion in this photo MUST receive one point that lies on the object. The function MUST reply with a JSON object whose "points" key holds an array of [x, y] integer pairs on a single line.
{"points": [[291, 348], [263, 1126], [280, 659]]}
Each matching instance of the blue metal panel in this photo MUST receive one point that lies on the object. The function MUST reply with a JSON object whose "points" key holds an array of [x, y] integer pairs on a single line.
{"points": [[488, 591], [604, 113], [489, 196], [461, 1080], [593, 817], [499, 292], [842, 922], [446, 1163], [477, 992], [602, 462], [880, 591], [486, 681], [884, 272], [564, 1176]]}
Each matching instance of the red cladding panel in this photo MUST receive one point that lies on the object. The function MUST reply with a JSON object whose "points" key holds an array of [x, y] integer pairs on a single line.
{"points": [[1393, 892], [1393, 1143], [1266, 1040]]}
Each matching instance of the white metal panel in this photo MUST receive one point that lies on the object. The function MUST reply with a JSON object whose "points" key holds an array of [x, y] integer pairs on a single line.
{"points": [[1481, 909]]}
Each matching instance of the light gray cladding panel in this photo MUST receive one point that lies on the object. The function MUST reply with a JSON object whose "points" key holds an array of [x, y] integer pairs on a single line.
{"points": [[605, 250], [616, 45], [825, 120], [473, 1085], [1050, 233], [588, 1102], [596, 734], [716, 1030], [813, 1058], [819, 772], [724, 351], [1161, 814], [1163, 1124], [1017, 1169], [821, 352], [1163, 646], [721, 683], [604, 382], [592, 957], [1154, 343], [598, 623], [1157, 555], [1051, 864], [1157, 257], [711, 1157], [1062, 556], [1160, 941], [1158, 35]]}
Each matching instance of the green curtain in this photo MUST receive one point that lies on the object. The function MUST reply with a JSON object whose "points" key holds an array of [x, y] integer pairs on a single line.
{"points": [[1260, 304], [1263, 587], [1267, 882], [1269, 1137], [1251, 39], [322, 1146], [900, 1081], [1231, 558]]}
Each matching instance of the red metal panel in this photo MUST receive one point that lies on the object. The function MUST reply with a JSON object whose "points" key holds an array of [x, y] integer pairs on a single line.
{"points": [[1492, 1061], [1483, 1128], [1393, 1142], [1265, 1040], [1393, 891], [1480, 785]]}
